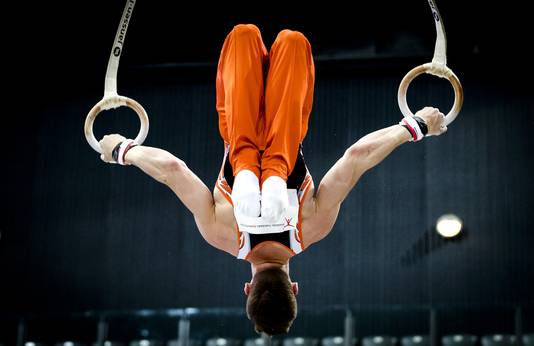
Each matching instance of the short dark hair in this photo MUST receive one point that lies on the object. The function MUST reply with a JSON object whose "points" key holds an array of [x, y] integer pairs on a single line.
{"points": [[271, 303]]}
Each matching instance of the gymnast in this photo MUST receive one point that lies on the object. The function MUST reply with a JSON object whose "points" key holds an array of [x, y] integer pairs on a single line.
{"points": [[264, 208]]}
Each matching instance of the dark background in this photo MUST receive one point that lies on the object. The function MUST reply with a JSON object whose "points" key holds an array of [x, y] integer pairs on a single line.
{"points": [[77, 234]]}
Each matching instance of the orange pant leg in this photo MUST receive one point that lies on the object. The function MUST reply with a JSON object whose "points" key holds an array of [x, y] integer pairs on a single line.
{"points": [[288, 102], [240, 95]]}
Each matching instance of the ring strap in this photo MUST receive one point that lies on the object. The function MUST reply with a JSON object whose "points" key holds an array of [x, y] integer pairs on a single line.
{"points": [[110, 87], [440, 50]]}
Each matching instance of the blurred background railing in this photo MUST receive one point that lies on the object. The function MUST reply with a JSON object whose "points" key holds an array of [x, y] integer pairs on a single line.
{"points": [[467, 325]]}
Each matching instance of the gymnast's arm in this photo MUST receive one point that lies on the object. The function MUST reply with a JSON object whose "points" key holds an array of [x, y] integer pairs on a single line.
{"points": [[173, 172], [366, 153]]}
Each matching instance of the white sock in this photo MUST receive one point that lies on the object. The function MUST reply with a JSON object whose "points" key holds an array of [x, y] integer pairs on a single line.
{"points": [[274, 200], [246, 194]]}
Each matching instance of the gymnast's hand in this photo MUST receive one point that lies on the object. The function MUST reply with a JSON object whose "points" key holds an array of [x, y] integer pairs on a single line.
{"points": [[107, 144], [434, 120]]}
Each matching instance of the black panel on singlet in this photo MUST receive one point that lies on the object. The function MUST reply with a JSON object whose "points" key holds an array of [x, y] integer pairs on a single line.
{"points": [[294, 180], [282, 238]]}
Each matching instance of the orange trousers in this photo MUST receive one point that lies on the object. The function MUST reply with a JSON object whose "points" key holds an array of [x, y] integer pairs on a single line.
{"points": [[264, 99]]}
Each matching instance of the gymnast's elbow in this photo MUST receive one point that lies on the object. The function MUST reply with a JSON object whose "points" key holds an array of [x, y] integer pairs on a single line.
{"points": [[170, 168], [359, 155]]}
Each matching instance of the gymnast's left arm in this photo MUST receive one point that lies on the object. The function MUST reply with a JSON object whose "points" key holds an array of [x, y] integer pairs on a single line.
{"points": [[169, 170], [366, 153]]}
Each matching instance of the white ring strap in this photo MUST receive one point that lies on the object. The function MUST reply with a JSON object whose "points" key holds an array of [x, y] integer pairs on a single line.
{"points": [[111, 98], [110, 88], [440, 50], [438, 67]]}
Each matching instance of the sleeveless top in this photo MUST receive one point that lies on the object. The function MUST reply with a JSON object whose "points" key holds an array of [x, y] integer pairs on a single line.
{"points": [[299, 183]]}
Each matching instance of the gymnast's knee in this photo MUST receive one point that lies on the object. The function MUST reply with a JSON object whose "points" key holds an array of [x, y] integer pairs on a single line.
{"points": [[291, 37], [246, 32]]}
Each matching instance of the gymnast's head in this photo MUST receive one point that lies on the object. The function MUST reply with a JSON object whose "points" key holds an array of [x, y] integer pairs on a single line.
{"points": [[271, 301]]}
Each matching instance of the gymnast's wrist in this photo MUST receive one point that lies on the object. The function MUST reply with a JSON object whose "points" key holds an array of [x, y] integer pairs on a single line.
{"points": [[416, 126], [404, 134], [121, 149], [132, 155]]}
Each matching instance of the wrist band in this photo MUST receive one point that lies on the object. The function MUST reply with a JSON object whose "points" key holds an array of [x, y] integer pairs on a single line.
{"points": [[413, 127], [422, 124], [115, 152], [121, 149]]}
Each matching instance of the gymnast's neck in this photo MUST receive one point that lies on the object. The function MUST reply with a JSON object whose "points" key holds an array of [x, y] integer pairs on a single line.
{"points": [[268, 255]]}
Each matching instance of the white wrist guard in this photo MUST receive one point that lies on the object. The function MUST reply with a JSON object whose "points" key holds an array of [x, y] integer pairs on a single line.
{"points": [[413, 127], [121, 149]]}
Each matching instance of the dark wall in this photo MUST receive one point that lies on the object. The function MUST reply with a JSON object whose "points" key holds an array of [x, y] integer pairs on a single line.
{"points": [[80, 234]]}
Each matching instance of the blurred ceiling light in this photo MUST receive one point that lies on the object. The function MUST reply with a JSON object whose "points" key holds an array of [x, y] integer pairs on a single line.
{"points": [[449, 225]]}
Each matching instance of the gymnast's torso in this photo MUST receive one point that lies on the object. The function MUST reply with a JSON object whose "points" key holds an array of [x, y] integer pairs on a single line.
{"points": [[310, 226], [224, 214]]}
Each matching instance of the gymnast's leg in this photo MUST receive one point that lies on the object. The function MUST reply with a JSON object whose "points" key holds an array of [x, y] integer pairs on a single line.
{"points": [[288, 103], [240, 98]]}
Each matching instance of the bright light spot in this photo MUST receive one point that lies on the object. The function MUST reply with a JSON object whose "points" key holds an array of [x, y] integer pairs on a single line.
{"points": [[449, 225]]}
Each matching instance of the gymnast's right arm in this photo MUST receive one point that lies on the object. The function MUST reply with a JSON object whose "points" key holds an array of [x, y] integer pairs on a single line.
{"points": [[173, 172]]}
